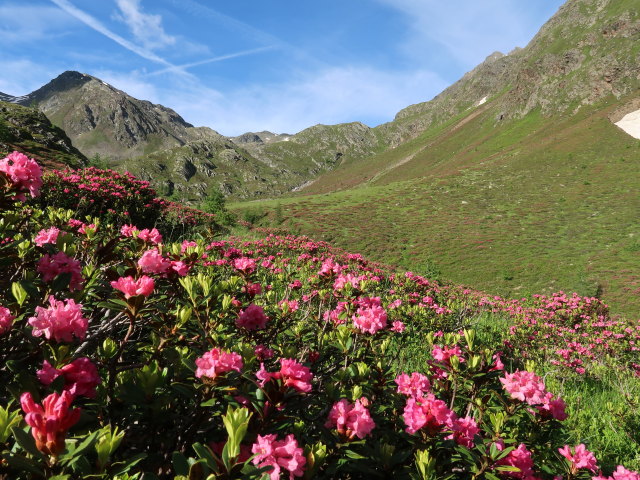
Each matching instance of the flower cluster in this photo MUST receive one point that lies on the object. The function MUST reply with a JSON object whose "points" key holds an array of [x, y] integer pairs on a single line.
{"points": [[279, 454], [50, 266], [61, 321], [24, 173], [215, 362], [351, 419], [528, 387], [131, 287], [50, 421], [292, 374], [80, 376]]}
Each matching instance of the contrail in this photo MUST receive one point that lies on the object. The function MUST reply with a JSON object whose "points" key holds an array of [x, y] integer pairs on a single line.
{"points": [[96, 25], [212, 60]]}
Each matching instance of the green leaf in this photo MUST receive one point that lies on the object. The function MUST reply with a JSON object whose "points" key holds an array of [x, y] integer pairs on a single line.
{"points": [[22, 463], [19, 293], [27, 442], [206, 454], [123, 467], [86, 443], [180, 464], [354, 455]]}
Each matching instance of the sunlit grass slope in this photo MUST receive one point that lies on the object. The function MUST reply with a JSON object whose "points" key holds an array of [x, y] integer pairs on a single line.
{"points": [[534, 205]]}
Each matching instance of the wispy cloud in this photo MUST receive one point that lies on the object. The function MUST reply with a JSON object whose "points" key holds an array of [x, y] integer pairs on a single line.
{"points": [[146, 28], [21, 76], [21, 24], [333, 95], [469, 30], [213, 60], [197, 9], [96, 25]]}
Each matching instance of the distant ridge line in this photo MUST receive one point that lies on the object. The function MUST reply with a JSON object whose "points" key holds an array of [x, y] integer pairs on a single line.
{"points": [[11, 99]]}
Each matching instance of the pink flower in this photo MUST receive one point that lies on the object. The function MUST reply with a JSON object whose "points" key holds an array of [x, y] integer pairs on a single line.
{"points": [[428, 412], [80, 376], [289, 306], [279, 454], [414, 386], [295, 375], [245, 265], [24, 172], [60, 322], [150, 236], [50, 421], [47, 236], [83, 228], [253, 318], [524, 386], [153, 262], [130, 287], [397, 327], [52, 266], [216, 362], [187, 244], [622, 473], [528, 387], [264, 376], [6, 320], [348, 279], [464, 430], [444, 354], [180, 268], [581, 458], [521, 459], [553, 408], [263, 353], [253, 289], [351, 420], [370, 319], [128, 230]]}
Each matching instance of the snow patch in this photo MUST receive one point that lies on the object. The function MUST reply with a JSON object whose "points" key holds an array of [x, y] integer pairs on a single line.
{"points": [[630, 123], [482, 101]]}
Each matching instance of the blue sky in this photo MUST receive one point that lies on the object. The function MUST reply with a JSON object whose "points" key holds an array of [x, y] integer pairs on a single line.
{"points": [[250, 65]]}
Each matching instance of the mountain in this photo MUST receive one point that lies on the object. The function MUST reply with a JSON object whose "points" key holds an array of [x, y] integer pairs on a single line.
{"points": [[155, 143], [515, 179], [103, 120], [30, 131]]}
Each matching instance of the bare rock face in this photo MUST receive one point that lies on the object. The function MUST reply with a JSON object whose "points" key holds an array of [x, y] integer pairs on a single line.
{"points": [[103, 120]]}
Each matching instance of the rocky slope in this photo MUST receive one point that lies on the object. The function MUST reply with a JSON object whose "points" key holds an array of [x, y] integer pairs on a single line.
{"points": [[103, 120], [588, 50], [30, 131]]}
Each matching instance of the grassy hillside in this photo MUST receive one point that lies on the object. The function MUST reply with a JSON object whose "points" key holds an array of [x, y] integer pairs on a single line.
{"points": [[29, 131], [535, 205]]}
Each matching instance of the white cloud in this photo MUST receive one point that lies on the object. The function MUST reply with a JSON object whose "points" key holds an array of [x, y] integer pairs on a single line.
{"points": [[29, 23], [335, 95], [469, 30], [146, 28], [96, 25], [19, 77]]}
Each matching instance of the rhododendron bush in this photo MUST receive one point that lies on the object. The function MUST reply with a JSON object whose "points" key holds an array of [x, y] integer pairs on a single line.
{"points": [[117, 197], [128, 356]]}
